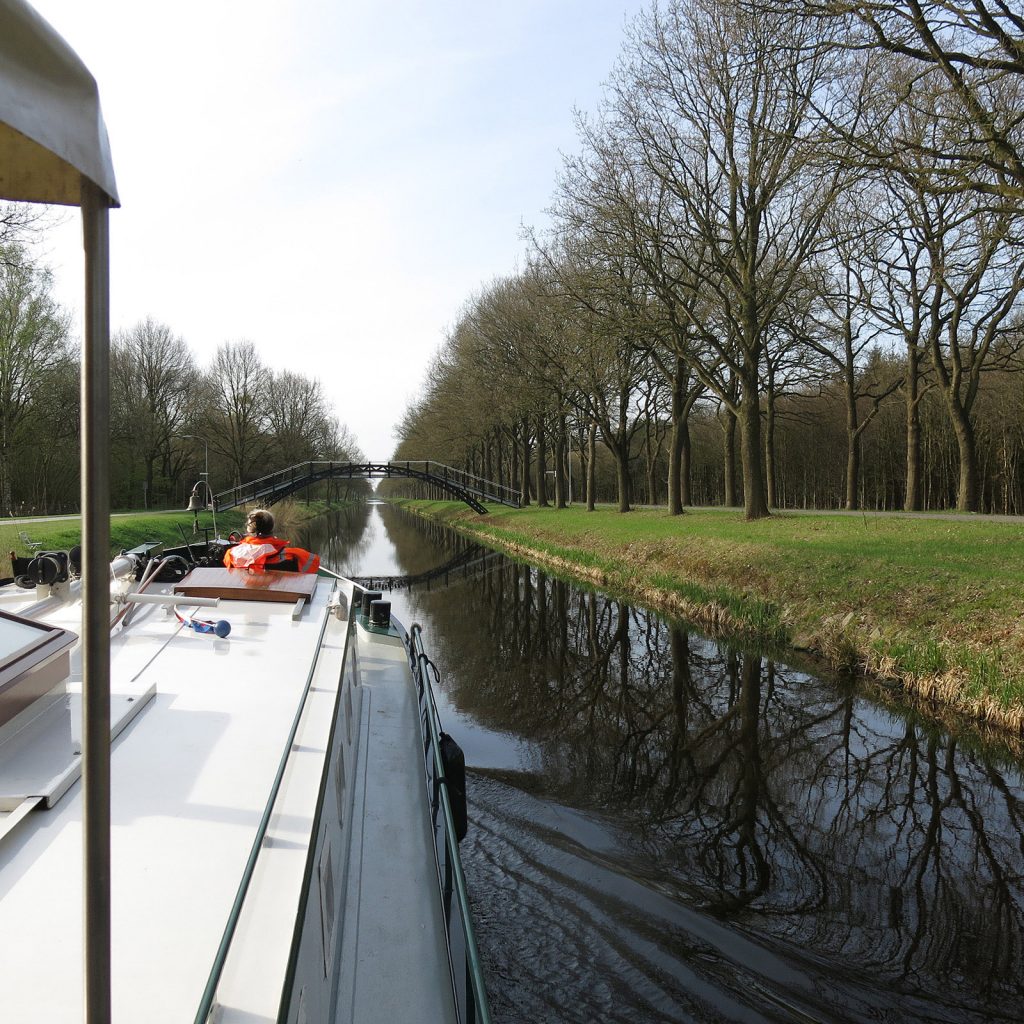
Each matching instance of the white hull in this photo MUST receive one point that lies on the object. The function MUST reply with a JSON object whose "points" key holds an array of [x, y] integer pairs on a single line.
{"points": [[343, 897]]}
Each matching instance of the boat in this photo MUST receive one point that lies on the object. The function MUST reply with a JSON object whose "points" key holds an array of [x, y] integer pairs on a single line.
{"points": [[224, 795]]}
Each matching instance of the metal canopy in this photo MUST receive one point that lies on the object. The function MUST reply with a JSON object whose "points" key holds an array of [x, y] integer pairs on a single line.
{"points": [[51, 128]]}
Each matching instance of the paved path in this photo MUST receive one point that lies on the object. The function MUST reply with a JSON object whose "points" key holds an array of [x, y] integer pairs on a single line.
{"points": [[781, 513], [25, 520], [981, 517]]}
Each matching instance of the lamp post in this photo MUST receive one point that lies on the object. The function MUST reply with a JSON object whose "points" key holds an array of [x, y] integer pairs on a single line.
{"points": [[192, 505]]}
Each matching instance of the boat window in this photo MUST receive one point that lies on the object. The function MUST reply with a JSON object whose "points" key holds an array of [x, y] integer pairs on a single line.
{"points": [[33, 658], [15, 636]]}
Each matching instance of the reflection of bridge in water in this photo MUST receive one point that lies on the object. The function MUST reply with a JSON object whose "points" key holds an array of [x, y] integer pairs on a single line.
{"points": [[471, 562], [473, 490]]}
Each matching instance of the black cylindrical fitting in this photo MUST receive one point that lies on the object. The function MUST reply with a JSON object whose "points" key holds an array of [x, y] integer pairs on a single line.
{"points": [[369, 596], [380, 613]]}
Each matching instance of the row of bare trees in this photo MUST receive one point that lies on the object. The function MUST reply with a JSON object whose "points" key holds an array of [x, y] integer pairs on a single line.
{"points": [[169, 415], [778, 209]]}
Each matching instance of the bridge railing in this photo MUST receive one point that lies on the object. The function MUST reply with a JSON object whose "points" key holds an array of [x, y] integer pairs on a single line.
{"points": [[477, 485], [286, 481], [269, 485]]}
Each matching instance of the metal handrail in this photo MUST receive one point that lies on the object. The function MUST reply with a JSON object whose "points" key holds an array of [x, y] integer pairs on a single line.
{"points": [[210, 992], [479, 1011], [313, 471], [478, 484]]}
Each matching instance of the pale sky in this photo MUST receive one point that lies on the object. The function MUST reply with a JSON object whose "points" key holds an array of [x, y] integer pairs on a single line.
{"points": [[330, 180]]}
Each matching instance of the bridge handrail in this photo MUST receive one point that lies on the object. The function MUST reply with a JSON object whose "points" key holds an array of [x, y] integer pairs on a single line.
{"points": [[468, 480], [251, 485], [314, 469]]}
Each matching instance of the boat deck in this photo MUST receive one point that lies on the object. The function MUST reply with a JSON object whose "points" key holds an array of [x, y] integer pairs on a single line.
{"points": [[192, 772], [387, 974]]}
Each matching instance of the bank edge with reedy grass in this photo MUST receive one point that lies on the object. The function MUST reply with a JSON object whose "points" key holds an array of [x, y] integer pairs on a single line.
{"points": [[920, 606]]}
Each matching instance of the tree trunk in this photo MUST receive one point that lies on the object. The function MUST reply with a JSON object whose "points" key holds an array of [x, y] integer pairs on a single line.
{"points": [[542, 483], [513, 465], [769, 443], [912, 498], [852, 447], [852, 471], [591, 470], [560, 446], [525, 467], [6, 490], [967, 494], [675, 454], [729, 454], [685, 463], [755, 500], [622, 476]]}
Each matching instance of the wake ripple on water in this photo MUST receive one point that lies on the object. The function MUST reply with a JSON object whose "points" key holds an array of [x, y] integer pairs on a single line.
{"points": [[567, 933]]}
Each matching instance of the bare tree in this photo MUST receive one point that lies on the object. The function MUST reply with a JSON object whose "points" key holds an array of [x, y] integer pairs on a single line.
{"points": [[623, 213], [153, 376], [721, 113], [20, 225], [842, 327], [953, 276], [34, 340], [977, 47], [298, 418], [234, 418], [596, 350]]}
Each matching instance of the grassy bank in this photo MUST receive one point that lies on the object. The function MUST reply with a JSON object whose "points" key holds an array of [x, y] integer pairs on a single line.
{"points": [[932, 604], [130, 530]]}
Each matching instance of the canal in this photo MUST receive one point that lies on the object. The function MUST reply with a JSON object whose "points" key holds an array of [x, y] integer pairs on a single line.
{"points": [[666, 828]]}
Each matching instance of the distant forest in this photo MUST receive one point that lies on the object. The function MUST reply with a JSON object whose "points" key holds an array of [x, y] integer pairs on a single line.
{"points": [[169, 416], [783, 269]]}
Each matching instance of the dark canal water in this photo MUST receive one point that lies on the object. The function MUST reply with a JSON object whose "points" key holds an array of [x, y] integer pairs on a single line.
{"points": [[667, 829]]}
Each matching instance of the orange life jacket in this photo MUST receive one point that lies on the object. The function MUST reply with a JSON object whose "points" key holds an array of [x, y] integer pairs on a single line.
{"points": [[258, 554]]}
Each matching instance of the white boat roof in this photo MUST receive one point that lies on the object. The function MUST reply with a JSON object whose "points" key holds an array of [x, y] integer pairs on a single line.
{"points": [[51, 126], [206, 722]]}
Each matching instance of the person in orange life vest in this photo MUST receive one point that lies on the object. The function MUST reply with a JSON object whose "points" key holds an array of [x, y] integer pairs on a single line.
{"points": [[259, 549]]}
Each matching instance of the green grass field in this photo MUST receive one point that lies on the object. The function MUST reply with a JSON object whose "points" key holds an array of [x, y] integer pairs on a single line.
{"points": [[936, 604], [125, 532], [132, 529]]}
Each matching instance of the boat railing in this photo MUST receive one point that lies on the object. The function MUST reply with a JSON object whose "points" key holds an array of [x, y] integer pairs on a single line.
{"points": [[463, 955], [207, 1003]]}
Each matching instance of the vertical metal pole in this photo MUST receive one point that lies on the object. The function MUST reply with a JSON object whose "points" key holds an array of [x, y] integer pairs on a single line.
{"points": [[209, 489], [96, 603]]}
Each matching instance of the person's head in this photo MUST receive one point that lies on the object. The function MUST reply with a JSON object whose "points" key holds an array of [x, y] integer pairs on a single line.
{"points": [[260, 523]]}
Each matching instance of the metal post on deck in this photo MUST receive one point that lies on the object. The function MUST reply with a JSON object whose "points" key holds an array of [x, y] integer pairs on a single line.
{"points": [[96, 603]]}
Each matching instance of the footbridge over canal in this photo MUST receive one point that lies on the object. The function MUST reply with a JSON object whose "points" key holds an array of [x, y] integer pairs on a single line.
{"points": [[473, 490]]}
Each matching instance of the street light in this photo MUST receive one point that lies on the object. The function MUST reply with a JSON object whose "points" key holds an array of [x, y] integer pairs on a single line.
{"points": [[194, 501]]}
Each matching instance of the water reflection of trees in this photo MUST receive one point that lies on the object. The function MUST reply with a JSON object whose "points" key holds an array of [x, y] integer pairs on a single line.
{"points": [[420, 545], [340, 538], [754, 788]]}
